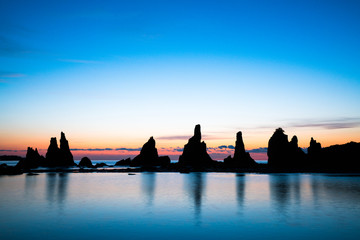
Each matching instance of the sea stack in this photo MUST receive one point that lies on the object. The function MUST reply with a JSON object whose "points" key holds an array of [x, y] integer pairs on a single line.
{"points": [[149, 156], [241, 157], [194, 153], [282, 153], [59, 157], [65, 150], [32, 159]]}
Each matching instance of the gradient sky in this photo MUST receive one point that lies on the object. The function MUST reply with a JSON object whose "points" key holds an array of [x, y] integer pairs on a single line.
{"points": [[110, 74]]}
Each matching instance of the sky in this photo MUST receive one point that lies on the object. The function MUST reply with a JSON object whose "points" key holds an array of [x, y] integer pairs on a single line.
{"points": [[110, 74]]}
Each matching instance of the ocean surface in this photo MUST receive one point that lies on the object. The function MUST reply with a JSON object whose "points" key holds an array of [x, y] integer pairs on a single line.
{"points": [[179, 206], [108, 162]]}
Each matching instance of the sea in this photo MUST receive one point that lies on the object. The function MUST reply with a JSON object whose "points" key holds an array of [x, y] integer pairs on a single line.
{"points": [[180, 206]]}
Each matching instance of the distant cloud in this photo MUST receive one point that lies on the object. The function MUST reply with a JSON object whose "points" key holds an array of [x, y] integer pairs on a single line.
{"points": [[78, 61], [4, 150], [176, 137], [226, 147], [106, 149], [339, 123], [128, 149], [91, 149], [258, 150]]}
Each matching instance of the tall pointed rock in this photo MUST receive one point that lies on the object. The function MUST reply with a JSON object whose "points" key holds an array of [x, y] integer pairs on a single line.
{"points": [[241, 157], [68, 158], [194, 153]]}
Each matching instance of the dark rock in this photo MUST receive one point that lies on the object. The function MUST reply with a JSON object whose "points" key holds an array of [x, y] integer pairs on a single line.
{"points": [[9, 170], [194, 153], [32, 159], [68, 159], [149, 156], [164, 160], [241, 157], [282, 153], [98, 165], [123, 162], [10, 158], [86, 162], [345, 157], [59, 157]]}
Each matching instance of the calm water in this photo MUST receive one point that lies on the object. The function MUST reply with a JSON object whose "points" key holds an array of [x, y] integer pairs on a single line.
{"points": [[179, 206]]}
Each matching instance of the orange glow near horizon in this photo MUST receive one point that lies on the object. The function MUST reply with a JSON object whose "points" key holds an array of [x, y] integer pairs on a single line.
{"points": [[17, 143]]}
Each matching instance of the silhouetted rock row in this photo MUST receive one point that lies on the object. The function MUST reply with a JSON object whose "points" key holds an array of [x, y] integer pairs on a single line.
{"points": [[194, 153], [282, 153], [345, 157], [241, 157], [32, 159], [123, 162], [85, 162], [59, 157], [98, 165], [149, 156]]}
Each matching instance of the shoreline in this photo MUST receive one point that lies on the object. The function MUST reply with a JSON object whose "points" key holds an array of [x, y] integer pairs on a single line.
{"points": [[9, 170]]}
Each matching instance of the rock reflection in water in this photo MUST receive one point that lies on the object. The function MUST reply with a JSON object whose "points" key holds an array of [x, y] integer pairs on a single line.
{"points": [[148, 186], [240, 190], [195, 184], [56, 188]]}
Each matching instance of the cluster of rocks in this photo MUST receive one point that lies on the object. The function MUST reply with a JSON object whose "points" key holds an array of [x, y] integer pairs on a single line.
{"points": [[55, 156], [287, 155], [282, 154]]}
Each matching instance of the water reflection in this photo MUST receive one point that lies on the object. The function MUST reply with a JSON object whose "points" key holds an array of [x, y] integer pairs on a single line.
{"points": [[30, 185], [279, 191], [56, 188], [195, 186], [148, 185], [240, 189], [285, 189]]}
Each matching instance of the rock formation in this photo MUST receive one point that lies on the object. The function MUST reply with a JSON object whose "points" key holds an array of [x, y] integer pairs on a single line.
{"points": [[241, 157], [59, 157], [86, 162], [149, 156], [194, 153], [282, 153], [32, 159], [345, 157], [123, 162], [68, 158], [314, 154]]}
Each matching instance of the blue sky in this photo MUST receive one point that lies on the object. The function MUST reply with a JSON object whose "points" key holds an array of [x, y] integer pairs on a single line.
{"points": [[113, 73]]}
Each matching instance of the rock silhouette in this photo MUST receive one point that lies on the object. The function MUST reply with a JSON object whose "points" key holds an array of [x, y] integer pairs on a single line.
{"points": [[241, 157], [65, 151], [345, 157], [32, 159], [85, 162], [314, 154], [282, 153], [123, 162], [194, 153], [149, 156], [59, 157]]}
